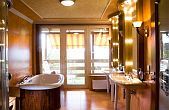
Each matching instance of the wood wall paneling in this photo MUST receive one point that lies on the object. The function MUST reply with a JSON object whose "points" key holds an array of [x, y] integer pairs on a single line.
{"points": [[19, 48], [121, 39], [148, 19], [145, 98]]}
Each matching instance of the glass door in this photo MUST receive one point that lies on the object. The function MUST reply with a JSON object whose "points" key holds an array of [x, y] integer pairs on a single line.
{"points": [[68, 57], [75, 57], [50, 44]]}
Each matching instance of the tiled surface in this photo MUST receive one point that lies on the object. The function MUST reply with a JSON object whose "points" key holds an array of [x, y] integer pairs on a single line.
{"points": [[86, 100]]}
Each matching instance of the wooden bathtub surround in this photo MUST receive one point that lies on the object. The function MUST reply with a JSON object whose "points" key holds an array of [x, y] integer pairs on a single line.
{"points": [[40, 99]]}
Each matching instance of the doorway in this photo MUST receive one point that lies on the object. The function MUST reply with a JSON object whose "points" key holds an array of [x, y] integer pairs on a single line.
{"points": [[164, 55]]}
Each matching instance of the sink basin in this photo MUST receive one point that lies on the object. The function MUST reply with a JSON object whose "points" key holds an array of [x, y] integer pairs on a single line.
{"points": [[131, 84], [125, 80]]}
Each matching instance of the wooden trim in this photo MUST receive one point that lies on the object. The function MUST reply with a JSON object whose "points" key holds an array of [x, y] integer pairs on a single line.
{"points": [[34, 49], [74, 21], [31, 9], [108, 5], [115, 14], [87, 56], [16, 12], [37, 50]]}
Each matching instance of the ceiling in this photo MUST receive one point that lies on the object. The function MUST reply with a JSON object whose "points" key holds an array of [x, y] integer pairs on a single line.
{"points": [[82, 9]]}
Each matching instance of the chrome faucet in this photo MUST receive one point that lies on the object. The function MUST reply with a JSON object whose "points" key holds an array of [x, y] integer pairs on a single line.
{"points": [[130, 75], [24, 79]]}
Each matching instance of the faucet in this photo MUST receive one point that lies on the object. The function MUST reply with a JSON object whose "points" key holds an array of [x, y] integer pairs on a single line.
{"points": [[24, 79], [130, 75]]}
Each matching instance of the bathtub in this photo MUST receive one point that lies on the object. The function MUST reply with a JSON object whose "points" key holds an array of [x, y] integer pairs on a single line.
{"points": [[43, 82]]}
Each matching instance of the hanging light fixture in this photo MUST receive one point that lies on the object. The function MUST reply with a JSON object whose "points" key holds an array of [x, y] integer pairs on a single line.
{"points": [[67, 2]]}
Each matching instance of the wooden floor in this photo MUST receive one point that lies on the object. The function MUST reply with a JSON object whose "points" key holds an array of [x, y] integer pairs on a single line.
{"points": [[163, 101], [87, 100]]}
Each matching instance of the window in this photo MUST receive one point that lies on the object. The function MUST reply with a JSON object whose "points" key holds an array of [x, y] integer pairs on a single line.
{"points": [[50, 43], [99, 50], [164, 62]]}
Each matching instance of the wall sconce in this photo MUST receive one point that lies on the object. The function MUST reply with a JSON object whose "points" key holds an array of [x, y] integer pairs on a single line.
{"points": [[128, 41], [140, 30]]}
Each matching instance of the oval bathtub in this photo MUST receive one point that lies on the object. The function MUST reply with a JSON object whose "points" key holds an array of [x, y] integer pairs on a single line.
{"points": [[44, 89], [43, 82]]}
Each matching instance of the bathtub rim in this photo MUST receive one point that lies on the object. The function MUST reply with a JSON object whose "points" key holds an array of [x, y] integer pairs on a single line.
{"points": [[27, 85]]}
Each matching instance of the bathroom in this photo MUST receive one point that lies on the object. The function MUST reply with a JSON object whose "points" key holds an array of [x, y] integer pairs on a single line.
{"points": [[78, 44]]}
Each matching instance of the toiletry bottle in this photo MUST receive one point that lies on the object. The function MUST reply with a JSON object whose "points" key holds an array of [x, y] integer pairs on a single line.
{"points": [[140, 75]]}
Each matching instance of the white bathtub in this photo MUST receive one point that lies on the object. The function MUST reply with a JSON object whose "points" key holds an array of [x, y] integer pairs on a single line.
{"points": [[43, 82]]}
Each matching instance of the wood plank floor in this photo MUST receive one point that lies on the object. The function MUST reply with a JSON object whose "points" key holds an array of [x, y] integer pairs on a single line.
{"points": [[87, 100]]}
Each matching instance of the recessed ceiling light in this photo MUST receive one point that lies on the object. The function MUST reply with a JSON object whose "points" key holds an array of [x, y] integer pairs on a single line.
{"points": [[67, 2]]}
